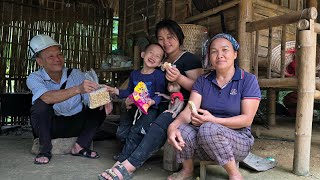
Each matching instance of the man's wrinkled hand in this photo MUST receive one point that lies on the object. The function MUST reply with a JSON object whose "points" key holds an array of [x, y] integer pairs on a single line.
{"points": [[87, 87]]}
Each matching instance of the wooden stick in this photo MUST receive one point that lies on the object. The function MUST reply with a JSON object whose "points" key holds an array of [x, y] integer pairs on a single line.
{"points": [[306, 92], [212, 11], [310, 13], [269, 53], [283, 50]]}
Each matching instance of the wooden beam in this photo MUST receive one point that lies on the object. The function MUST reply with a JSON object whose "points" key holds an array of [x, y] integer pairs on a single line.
{"points": [[304, 24], [278, 83], [310, 13], [212, 11], [317, 28]]}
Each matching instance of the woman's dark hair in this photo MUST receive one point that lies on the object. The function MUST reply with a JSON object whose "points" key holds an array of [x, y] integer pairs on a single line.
{"points": [[173, 27]]}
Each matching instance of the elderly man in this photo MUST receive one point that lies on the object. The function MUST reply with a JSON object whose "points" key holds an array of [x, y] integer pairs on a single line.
{"points": [[58, 96]]}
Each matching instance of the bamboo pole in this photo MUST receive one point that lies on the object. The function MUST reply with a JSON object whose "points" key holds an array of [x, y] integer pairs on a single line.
{"points": [[283, 50], [212, 11], [271, 93], [269, 53], [173, 9], [278, 82], [317, 94], [310, 13], [136, 57], [317, 28], [312, 3], [306, 91], [160, 10], [304, 24], [245, 38], [291, 82], [256, 60]]}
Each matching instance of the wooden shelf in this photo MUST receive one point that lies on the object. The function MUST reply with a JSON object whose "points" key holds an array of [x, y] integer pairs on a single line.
{"points": [[115, 69]]}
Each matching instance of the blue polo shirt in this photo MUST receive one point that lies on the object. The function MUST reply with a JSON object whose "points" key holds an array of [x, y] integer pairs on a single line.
{"points": [[39, 82], [226, 101]]}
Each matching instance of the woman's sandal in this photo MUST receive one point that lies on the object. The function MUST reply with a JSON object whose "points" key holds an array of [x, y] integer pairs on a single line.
{"points": [[125, 174], [86, 153], [47, 155]]}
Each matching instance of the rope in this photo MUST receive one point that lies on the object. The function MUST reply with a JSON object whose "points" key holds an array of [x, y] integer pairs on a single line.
{"points": [[136, 116]]}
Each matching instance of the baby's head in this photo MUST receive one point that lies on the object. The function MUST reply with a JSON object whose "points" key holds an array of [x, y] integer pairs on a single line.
{"points": [[152, 55]]}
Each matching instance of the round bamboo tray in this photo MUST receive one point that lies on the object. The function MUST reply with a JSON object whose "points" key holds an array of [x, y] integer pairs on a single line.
{"points": [[276, 56], [195, 36], [289, 56]]}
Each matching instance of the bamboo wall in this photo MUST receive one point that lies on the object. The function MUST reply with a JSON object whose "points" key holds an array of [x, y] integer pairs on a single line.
{"points": [[82, 28]]}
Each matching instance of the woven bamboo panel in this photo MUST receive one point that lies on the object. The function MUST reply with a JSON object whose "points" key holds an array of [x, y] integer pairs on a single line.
{"points": [[83, 29], [195, 36]]}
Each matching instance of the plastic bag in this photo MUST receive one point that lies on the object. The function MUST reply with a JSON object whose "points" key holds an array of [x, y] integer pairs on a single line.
{"points": [[140, 97], [100, 96]]}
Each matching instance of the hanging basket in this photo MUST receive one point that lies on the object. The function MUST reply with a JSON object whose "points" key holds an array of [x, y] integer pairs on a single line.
{"points": [[195, 36]]}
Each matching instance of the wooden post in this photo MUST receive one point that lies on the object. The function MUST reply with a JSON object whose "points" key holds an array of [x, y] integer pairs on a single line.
{"points": [[312, 3], [136, 57], [306, 92], [272, 106], [160, 10], [173, 10], [245, 38]]}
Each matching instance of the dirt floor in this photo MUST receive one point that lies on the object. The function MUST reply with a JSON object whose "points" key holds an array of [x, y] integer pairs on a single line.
{"points": [[16, 161]]}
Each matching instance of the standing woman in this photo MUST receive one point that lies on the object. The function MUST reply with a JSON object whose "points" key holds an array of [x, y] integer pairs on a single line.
{"points": [[227, 99], [188, 69]]}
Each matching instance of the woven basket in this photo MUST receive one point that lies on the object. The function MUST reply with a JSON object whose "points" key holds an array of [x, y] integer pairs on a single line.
{"points": [[195, 36], [276, 56]]}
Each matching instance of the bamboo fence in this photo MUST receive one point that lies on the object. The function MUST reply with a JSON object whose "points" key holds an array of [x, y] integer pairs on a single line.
{"points": [[83, 28]]}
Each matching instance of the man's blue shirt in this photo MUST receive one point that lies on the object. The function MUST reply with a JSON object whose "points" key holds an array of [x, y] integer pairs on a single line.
{"points": [[39, 83]]}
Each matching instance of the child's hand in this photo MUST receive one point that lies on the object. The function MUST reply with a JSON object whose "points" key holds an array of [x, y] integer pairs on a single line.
{"points": [[128, 103], [113, 90], [151, 102]]}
